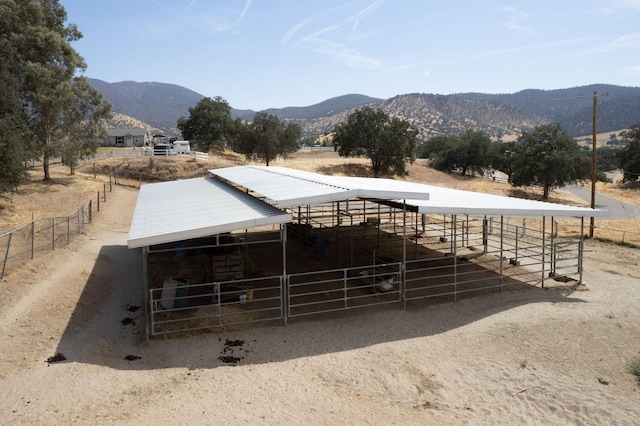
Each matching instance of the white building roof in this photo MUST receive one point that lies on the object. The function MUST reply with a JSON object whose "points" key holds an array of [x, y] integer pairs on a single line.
{"points": [[185, 209], [289, 187]]}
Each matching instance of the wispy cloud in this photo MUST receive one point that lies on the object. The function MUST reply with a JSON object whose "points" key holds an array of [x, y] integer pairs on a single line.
{"points": [[164, 6], [632, 68], [245, 10], [323, 42], [623, 42], [218, 23], [514, 19], [191, 4], [344, 54], [364, 12], [289, 34], [634, 4]]}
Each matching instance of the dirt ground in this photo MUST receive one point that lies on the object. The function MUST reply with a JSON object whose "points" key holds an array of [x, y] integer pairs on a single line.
{"points": [[554, 356]]}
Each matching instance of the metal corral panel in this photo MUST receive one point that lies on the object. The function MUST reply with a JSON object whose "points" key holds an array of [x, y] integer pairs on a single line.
{"points": [[184, 209], [289, 188]]}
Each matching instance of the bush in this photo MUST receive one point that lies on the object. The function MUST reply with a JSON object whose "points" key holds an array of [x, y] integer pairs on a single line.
{"points": [[634, 367]]}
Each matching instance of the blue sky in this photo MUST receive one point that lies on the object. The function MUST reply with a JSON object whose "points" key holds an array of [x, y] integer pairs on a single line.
{"points": [[259, 54]]}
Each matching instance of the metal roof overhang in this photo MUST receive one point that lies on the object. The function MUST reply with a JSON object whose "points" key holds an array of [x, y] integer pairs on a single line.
{"points": [[185, 209], [292, 188], [289, 188]]}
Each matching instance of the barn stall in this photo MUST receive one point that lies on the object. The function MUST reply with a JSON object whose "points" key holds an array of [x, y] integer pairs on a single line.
{"points": [[253, 244]]}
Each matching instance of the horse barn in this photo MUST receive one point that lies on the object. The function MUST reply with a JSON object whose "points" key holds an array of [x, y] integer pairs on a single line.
{"points": [[251, 244]]}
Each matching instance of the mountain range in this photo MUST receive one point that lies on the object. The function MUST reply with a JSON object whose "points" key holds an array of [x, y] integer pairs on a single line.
{"points": [[159, 106]]}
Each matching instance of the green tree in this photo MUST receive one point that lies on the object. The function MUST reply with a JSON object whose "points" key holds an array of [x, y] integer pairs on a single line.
{"points": [[266, 137], [52, 91], [389, 142], [501, 156], [16, 140], [208, 125], [83, 129], [548, 157], [473, 152], [628, 157], [468, 152]]}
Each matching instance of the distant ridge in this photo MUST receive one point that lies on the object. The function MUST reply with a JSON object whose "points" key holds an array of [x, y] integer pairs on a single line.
{"points": [[161, 105]]}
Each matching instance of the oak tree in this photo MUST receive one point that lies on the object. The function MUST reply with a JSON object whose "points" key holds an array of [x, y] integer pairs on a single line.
{"points": [[208, 124], [390, 143], [548, 157]]}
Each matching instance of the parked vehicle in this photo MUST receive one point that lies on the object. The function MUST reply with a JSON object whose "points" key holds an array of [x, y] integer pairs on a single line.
{"points": [[181, 147]]}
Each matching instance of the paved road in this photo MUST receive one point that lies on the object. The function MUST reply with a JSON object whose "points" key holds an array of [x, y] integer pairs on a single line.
{"points": [[618, 209]]}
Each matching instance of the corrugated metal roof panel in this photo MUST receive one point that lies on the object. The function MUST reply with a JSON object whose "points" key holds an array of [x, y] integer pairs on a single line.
{"points": [[289, 187], [452, 201], [185, 209]]}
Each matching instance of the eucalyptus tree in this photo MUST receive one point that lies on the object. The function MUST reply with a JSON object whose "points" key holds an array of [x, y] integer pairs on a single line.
{"points": [[16, 141], [55, 97]]}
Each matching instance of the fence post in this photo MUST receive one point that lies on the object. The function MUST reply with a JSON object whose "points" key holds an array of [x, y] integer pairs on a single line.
{"points": [[33, 237], [68, 229], [104, 191], [6, 255], [110, 184], [94, 170], [53, 233], [98, 201], [90, 212]]}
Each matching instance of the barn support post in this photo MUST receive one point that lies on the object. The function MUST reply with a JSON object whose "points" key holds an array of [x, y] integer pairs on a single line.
{"points": [[415, 247], [338, 245], [485, 235], [378, 229], [544, 243], [501, 253], [145, 292], [284, 285], [403, 266], [553, 252], [581, 249], [454, 243]]}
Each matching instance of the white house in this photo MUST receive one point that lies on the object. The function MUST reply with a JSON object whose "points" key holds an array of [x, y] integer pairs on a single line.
{"points": [[126, 137]]}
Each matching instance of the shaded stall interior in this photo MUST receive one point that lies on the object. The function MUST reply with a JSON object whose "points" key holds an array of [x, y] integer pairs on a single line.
{"points": [[349, 254]]}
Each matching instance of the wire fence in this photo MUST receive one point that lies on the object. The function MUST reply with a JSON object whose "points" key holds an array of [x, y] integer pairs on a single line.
{"points": [[41, 236]]}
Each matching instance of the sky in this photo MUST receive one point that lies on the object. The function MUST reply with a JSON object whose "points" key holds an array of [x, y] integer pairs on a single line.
{"points": [[259, 54]]}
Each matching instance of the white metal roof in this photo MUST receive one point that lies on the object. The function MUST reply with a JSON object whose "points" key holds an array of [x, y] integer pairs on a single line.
{"points": [[452, 201], [185, 209], [289, 187], [292, 188]]}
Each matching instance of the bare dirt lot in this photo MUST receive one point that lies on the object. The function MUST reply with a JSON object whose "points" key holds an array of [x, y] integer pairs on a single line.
{"points": [[554, 357]]}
